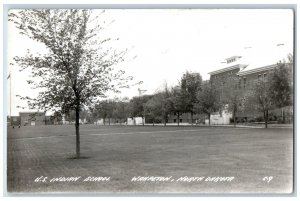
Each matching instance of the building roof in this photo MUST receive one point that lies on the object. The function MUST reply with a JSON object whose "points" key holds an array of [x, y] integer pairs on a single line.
{"points": [[262, 59], [232, 66], [257, 59], [256, 70]]}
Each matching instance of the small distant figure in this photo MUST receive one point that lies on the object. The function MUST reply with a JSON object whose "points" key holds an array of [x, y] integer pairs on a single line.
{"points": [[13, 126], [19, 126]]}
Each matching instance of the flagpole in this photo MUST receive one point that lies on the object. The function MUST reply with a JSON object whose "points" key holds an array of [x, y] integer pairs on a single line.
{"points": [[10, 95]]}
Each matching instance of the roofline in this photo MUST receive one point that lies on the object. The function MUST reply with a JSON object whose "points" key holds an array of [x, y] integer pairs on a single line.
{"points": [[256, 70], [30, 112], [233, 57], [225, 69]]}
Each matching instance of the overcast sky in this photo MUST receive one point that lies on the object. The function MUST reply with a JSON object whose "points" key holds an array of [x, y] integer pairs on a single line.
{"points": [[166, 43]]}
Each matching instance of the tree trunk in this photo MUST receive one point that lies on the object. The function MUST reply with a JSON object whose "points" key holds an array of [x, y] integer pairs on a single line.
{"points": [[103, 121], [234, 120], [209, 119], [143, 121], [266, 115], [165, 123], [178, 119], [192, 117], [283, 116], [77, 132]]}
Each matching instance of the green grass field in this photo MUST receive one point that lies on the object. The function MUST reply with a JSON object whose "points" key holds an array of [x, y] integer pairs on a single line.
{"points": [[250, 155]]}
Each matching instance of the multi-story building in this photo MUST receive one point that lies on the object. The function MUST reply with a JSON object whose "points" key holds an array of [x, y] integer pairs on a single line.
{"points": [[246, 71]]}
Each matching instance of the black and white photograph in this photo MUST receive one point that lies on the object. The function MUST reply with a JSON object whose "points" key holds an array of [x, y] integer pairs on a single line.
{"points": [[150, 101]]}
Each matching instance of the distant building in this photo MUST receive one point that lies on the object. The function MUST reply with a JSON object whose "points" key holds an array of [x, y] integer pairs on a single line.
{"points": [[15, 120], [32, 118], [136, 121], [186, 118]]}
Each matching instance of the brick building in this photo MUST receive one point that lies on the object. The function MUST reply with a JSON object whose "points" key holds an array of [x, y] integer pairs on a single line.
{"points": [[14, 120], [247, 70], [32, 118]]}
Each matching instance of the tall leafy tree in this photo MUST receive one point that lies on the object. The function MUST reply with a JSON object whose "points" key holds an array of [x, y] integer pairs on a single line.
{"points": [[152, 108], [160, 106], [190, 85], [208, 100], [166, 104], [77, 68], [120, 110], [104, 109], [179, 101], [260, 97], [281, 86], [137, 106]]}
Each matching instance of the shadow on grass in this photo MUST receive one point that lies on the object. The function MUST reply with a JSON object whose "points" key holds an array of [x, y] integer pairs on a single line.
{"points": [[75, 157]]}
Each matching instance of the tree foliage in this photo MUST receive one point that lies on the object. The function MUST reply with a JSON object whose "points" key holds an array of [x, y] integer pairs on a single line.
{"points": [[190, 85], [137, 106], [179, 101], [281, 85], [261, 98], [159, 106], [120, 110], [208, 99]]}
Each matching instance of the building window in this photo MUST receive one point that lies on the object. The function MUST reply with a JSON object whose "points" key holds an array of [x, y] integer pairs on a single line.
{"points": [[180, 120], [265, 75], [174, 120], [259, 76], [245, 80]]}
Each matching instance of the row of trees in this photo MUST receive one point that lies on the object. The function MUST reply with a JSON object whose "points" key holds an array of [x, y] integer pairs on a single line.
{"points": [[157, 107], [194, 96]]}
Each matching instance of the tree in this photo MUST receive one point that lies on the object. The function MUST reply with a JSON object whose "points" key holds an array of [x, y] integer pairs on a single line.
{"points": [[121, 109], [105, 110], [152, 108], [83, 115], [190, 85], [281, 86], [208, 100], [261, 98], [159, 106], [166, 104], [179, 101], [77, 67], [233, 98], [137, 106]]}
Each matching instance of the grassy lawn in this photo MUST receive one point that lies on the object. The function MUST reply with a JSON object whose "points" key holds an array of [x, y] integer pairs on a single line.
{"points": [[121, 153]]}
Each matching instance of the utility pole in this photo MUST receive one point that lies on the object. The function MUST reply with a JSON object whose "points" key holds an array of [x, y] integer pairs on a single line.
{"points": [[141, 91]]}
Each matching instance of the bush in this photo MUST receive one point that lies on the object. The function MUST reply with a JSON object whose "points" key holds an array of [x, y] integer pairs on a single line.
{"points": [[259, 119]]}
